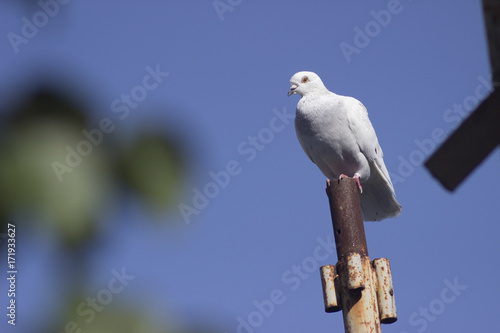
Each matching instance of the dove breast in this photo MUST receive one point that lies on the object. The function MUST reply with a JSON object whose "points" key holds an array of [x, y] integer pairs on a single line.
{"points": [[322, 127]]}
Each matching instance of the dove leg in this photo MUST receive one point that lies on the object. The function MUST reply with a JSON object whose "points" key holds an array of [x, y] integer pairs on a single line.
{"points": [[356, 176], [343, 176]]}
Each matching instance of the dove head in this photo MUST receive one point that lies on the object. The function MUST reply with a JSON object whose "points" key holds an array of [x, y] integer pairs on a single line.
{"points": [[304, 83]]}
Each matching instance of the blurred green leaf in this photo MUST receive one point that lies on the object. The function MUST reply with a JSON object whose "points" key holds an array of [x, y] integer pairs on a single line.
{"points": [[153, 168], [38, 137]]}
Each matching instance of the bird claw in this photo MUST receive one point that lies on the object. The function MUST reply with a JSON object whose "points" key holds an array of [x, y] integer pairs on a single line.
{"points": [[356, 177], [342, 176]]}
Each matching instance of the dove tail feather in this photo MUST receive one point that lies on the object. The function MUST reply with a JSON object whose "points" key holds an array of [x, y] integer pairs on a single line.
{"points": [[378, 200]]}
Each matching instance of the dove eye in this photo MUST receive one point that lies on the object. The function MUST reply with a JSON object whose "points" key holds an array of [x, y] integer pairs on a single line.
{"points": [[305, 79]]}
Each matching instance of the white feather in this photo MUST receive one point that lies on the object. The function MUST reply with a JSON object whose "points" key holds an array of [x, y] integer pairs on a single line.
{"points": [[337, 135]]}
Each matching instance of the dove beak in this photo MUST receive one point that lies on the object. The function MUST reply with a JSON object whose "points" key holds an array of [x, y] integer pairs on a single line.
{"points": [[292, 90]]}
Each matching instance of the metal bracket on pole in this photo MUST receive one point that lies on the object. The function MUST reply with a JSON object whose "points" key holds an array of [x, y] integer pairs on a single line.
{"points": [[330, 295], [385, 291], [361, 289]]}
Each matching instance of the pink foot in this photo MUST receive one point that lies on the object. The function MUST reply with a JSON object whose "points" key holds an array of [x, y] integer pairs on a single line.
{"points": [[356, 177], [343, 176]]}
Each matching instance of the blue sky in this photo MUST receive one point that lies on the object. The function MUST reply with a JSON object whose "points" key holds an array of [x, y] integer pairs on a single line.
{"points": [[419, 72]]}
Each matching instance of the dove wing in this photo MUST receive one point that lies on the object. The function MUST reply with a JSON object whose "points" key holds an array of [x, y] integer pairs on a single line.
{"points": [[363, 131], [378, 201], [367, 140]]}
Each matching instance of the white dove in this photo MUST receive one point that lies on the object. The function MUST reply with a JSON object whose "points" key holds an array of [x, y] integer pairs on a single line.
{"points": [[337, 135]]}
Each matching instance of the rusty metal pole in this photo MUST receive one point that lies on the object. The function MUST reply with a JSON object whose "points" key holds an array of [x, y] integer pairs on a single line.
{"points": [[356, 277]]}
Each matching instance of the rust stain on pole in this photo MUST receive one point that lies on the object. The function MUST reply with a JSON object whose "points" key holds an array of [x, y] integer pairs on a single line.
{"points": [[347, 219], [357, 281], [359, 307], [355, 271], [385, 291], [328, 277]]}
